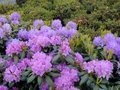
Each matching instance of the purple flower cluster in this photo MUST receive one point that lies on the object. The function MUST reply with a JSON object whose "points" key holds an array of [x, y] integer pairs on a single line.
{"points": [[23, 64], [38, 23], [71, 25], [42, 51], [103, 68], [12, 73], [65, 48], [3, 87], [23, 34], [5, 30], [98, 41], [110, 42], [15, 47], [67, 83], [15, 18], [3, 19], [41, 63], [78, 58], [56, 24]]}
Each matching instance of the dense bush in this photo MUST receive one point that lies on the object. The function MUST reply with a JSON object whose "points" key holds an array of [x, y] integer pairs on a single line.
{"points": [[91, 16], [56, 57]]}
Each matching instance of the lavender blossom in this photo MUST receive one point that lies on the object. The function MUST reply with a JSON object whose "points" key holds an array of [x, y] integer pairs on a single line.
{"points": [[23, 34], [64, 82], [78, 58], [71, 25], [40, 63], [109, 37], [56, 24], [98, 41], [7, 29], [11, 74], [1, 33], [15, 16], [65, 48], [3, 87], [55, 40], [38, 23], [3, 19], [103, 68]]}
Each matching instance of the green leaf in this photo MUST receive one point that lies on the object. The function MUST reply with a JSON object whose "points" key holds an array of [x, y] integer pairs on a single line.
{"points": [[49, 81], [30, 88], [31, 78], [118, 82], [96, 88], [39, 80], [89, 82], [103, 87], [86, 58], [55, 58], [70, 60], [82, 73], [104, 81], [25, 73], [112, 88], [91, 79], [22, 55], [54, 74], [11, 84], [83, 79]]}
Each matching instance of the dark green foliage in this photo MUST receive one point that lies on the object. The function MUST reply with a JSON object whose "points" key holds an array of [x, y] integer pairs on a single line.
{"points": [[90, 15]]}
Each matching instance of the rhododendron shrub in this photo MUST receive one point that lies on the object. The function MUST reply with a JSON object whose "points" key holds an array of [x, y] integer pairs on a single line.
{"points": [[40, 58]]}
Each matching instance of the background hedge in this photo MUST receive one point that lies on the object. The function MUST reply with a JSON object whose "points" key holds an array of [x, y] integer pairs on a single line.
{"points": [[92, 16]]}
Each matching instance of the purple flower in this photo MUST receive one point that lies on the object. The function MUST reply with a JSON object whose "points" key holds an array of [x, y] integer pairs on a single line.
{"points": [[1, 33], [104, 69], [7, 29], [44, 86], [41, 63], [15, 22], [98, 41], [9, 63], [15, 88], [33, 33], [12, 73], [38, 42], [3, 87], [55, 40], [23, 64], [56, 24], [73, 88], [3, 19], [47, 31], [23, 34], [109, 37], [118, 40], [63, 32], [15, 47], [65, 48], [44, 29], [38, 23], [89, 66], [113, 46], [71, 25], [64, 82], [1, 60], [78, 58], [15, 16], [71, 32]]}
